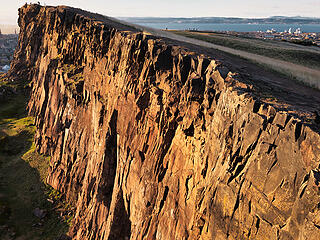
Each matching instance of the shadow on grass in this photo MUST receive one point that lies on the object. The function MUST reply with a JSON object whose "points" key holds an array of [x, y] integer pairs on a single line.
{"points": [[25, 212]]}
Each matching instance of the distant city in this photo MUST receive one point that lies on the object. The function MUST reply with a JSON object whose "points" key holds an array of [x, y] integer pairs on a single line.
{"points": [[300, 30], [8, 43], [229, 24], [289, 35]]}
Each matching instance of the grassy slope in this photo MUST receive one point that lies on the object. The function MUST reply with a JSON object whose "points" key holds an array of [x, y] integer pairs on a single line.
{"points": [[261, 47], [22, 179]]}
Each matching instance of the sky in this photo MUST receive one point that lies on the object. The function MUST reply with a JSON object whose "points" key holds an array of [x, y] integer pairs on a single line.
{"points": [[176, 8]]}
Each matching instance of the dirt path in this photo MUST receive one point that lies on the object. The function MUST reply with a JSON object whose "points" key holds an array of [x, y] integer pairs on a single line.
{"points": [[307, 75], [265, 43], [301, 73]]}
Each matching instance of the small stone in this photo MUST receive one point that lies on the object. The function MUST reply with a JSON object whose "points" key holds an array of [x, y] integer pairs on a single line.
{"points": [[40, 213]]}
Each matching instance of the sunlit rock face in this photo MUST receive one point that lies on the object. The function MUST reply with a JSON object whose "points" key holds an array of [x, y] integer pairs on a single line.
{"points": [[151, 141]]}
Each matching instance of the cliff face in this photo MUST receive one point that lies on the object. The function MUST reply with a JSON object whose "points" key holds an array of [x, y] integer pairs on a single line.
{"points": [[154, 142]]}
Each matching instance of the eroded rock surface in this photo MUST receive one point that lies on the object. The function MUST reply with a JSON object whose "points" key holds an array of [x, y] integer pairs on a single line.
{"points": [[154, 142]]}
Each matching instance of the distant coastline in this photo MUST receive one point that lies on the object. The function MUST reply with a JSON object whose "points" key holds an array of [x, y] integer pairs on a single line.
{"points": [[230, 24], [232, 27], [227, 20]]}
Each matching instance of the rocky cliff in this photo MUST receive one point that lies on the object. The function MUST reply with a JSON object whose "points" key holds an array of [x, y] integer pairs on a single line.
{"points": [[152, 141]]}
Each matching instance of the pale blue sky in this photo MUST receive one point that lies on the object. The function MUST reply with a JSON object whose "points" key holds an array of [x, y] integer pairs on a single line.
{"points": [[177, 8]]}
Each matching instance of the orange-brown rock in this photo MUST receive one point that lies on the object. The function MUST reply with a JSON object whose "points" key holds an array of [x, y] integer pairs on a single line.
{"points": [[154, 142]]}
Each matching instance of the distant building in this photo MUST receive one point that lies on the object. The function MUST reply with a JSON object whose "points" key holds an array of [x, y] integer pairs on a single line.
{"points": [[6, 68], [298, 31], [271, 31]]}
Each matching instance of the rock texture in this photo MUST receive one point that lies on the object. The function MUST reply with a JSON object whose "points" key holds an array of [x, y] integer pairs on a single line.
{"points": [[154, 142]]}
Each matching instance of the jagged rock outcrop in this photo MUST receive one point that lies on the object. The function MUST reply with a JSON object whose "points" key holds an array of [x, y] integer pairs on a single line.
{"points": [[154, 142]]}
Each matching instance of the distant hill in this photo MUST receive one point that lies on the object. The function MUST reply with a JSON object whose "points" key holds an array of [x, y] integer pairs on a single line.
{"points": [[9, 29], [269, 20]]}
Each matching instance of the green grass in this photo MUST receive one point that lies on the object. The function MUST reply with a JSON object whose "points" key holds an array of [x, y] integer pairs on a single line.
{"points": [[22, 180], [300, 57]]}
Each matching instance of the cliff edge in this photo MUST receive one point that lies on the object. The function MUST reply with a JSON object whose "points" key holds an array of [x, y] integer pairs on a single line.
{"points": [[153, 141]]}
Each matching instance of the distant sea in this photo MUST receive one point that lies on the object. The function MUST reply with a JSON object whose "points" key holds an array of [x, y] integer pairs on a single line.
{"points": [[231, 27]]}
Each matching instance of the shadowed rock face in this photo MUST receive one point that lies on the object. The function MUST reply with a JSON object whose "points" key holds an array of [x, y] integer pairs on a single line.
{"points": [[154, 142]]}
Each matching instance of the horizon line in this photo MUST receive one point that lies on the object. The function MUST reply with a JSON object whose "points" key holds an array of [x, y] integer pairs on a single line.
{"points": [[250, 18]]}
